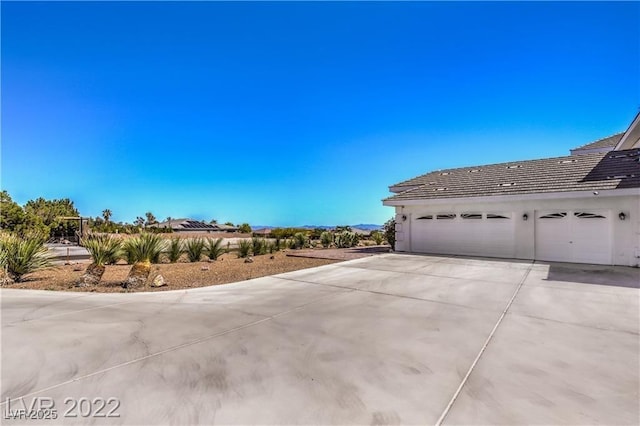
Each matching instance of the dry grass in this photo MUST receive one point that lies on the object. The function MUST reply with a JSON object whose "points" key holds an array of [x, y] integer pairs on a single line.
{"points": [[227, 269]]}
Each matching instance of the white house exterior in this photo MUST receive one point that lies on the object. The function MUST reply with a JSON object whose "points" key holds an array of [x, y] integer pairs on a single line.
{"points": [[583, 208]]}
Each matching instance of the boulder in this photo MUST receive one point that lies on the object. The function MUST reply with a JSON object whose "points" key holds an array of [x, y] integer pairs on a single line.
{"points": [[248, 260], [158, 281]]}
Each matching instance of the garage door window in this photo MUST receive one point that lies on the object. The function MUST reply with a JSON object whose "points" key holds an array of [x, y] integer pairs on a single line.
{"points": [[587, 215], [558, 215], [471, 215], [425, 217], [497, 216], [446, 216]]}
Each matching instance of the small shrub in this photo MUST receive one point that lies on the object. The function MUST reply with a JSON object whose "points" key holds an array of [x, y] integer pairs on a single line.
{"points": [[272, 247], [244, 247], [346, 239], [326, 239], [175, 250], [214, 248], [194, 248], [300, 240], [377, 237], [21, 256]]}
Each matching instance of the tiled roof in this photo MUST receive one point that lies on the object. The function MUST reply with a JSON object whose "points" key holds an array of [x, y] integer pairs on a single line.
{"points": [[587, 172], [608, 142]]}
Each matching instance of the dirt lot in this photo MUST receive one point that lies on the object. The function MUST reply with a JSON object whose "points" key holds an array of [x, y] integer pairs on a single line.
{"points": [[228, 268]]}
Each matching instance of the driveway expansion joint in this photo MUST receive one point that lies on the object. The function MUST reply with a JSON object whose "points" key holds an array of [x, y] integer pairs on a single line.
{"points": [[482, 350]]}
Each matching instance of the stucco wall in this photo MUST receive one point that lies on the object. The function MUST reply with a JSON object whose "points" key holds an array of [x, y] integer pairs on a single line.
{"points": [[625, 233]]}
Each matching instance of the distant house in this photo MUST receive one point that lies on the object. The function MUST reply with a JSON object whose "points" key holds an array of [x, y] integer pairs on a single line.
{"points": [[262, 232], [191, 225], [582, 208]]}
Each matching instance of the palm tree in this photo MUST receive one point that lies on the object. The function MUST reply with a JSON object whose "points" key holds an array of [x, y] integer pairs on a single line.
{"points": [[106, 213], [151, 219]]}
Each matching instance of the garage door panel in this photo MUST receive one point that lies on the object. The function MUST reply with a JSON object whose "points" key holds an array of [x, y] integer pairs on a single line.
{"points": [[464, 236], [592, 239], [552, 236], [582, 236]]}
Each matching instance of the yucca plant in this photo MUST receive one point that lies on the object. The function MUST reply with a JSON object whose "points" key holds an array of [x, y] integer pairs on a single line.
{"points": [[244, 248], [174, 250], [143, 251], [21, 256], [326, 239], [194, 248], [214, 248], [104, 250]]}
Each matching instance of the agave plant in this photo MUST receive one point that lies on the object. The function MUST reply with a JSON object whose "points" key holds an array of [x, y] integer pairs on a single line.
{"points": [[214, 248], [194, 249], [21, 256], [244, 248], [143, 251], [175, 250], [104, 250]]}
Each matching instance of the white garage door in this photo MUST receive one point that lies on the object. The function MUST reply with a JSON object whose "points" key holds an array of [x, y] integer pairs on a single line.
{"points": [[478, 234], [582, 236]]}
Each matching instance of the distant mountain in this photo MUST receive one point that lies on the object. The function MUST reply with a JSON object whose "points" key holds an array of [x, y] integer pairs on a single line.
{"points": [[368, 227]]}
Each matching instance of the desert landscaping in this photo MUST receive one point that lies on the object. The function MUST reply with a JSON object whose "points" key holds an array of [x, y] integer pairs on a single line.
{"points": [[227, 269]]}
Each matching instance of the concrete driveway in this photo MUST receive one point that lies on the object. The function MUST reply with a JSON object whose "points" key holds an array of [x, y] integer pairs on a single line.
{"points": [[388, 339]]}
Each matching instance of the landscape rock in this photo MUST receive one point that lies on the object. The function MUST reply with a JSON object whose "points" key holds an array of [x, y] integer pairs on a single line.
{"points": [[158, 281], [204, 268], [248, 260]]}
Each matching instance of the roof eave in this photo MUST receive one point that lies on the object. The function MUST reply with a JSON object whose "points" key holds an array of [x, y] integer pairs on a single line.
{"points": [[516, 197], [630, 137]]}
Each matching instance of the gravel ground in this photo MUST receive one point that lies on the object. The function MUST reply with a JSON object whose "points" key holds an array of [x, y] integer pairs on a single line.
{"points": [[226, 269], [342, 254]]}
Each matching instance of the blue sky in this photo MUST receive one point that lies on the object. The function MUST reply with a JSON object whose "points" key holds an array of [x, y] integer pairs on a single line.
{"points": [[297, 113]]}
